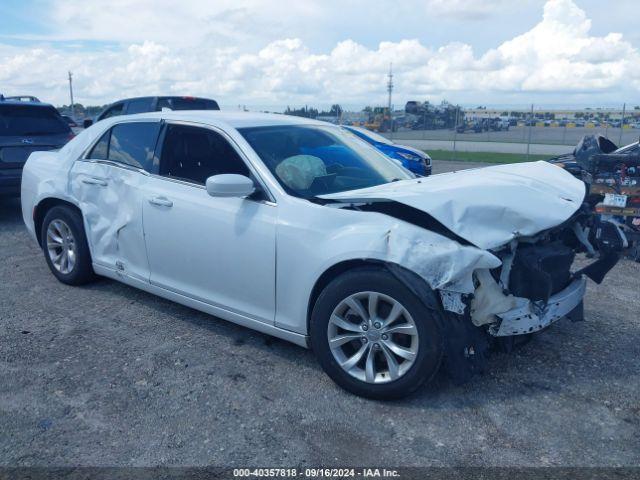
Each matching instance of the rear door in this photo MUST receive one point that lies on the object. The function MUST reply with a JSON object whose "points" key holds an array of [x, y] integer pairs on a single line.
{"points": [[109, 183]]}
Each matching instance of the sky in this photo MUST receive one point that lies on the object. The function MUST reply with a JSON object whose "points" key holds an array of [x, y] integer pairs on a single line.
{"points": [[271, 54]]}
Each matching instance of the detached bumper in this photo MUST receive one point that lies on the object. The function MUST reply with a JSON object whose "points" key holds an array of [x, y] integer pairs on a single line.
{"points": [[526, 318]]}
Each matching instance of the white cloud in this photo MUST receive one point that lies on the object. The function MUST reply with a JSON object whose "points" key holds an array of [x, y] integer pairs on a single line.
{"points": [[468, 9], [559, 54], [181, 24]]}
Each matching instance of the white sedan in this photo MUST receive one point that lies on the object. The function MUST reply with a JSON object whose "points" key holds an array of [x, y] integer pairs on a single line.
{"points": [[301, 230]]}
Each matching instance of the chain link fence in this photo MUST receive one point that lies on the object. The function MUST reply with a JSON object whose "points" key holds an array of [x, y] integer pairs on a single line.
{"points": [[532, 131]]}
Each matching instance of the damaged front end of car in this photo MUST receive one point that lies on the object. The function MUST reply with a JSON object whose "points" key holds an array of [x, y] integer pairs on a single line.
{"points": [[534, 287], [510, 235]]}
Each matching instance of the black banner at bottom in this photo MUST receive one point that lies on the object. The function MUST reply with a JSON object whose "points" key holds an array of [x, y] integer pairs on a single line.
{"points": [[401, 473]]}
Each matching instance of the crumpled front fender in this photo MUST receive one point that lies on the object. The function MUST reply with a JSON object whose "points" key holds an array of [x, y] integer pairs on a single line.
{"points": [[444, 264]]}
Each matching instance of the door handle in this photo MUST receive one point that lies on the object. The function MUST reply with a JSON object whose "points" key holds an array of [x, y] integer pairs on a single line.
{"points": [[94, 181], [161, 202]]}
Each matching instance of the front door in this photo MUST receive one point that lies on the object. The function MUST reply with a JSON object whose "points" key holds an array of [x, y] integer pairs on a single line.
{"points": [[217, 250]]}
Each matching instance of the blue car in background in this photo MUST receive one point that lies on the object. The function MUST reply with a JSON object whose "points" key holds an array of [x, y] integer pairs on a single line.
{"points": [[412, 159]]}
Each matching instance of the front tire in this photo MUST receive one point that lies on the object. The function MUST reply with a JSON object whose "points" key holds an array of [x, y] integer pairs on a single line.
{"points": [[65, 247], [373, 336]]}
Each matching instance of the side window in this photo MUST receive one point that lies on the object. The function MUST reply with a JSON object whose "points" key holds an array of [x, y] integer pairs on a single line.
{"points": [[194, 154], [139, 105], [134, 143], [113, 111], [100, 150]]}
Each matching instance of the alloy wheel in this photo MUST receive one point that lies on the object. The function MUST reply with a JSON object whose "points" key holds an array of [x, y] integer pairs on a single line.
{"points": [[373, 337], [61, 246]]}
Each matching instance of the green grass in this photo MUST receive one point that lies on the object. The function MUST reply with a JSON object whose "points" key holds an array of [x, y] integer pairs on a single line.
{"points": [[484, 157]]}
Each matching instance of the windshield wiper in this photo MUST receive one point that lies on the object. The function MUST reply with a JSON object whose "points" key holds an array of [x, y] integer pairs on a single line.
{"points": [[318, 200]]}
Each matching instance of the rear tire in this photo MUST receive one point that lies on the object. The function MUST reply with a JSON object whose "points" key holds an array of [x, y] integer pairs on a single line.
{"points": [[373, 336], [65, 247]]}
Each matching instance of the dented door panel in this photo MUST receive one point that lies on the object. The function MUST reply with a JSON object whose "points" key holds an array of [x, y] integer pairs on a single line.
{"points": [[110, 199]]}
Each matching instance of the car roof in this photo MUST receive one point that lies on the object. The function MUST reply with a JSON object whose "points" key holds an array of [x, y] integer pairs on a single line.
{"points": [[159, 96], [226, 118], [9, 101]]}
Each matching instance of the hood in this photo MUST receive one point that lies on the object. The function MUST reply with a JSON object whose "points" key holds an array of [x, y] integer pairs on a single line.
{"points": [[488, 206], [420, 153]]}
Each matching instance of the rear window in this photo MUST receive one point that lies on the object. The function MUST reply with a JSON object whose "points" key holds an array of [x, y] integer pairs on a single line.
{"points": [[128, 143], [30, 120], [101, 149], [187, 103]]}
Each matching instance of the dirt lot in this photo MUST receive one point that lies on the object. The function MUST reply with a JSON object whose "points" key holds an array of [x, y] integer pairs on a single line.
{"points": [[108, 375]]}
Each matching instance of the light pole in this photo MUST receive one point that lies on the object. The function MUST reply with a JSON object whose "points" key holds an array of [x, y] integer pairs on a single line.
{"points": [[624, 108], [455, 132], [71, 94], [530, 127]]}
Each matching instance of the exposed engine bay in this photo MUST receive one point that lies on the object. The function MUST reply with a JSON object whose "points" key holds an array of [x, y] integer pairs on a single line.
{"points": [[534, 287]]}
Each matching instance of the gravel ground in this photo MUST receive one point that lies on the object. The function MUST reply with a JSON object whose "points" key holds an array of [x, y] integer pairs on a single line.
{"points": [[107, 375]]}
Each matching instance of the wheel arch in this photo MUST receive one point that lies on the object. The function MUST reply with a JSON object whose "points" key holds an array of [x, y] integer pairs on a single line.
{"points": [[41, 209], [410, 279]]}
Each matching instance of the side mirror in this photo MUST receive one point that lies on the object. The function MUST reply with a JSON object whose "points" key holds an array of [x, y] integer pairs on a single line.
{"points": [[230, 185], [87, 123]]}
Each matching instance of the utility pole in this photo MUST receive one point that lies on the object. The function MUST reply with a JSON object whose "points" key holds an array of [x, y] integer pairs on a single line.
{"points": [[71, 93], [624, 108], [390, 90], [530, 127], [455, 133]]}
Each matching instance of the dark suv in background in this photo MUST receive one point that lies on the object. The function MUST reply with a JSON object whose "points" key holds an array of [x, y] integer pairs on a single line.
{"points": [[26, 125], [130, 106]]}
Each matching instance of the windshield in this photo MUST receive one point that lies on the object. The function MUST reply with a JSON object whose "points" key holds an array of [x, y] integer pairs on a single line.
{"points": [[363, 132], [316, 160], [28, 120]]}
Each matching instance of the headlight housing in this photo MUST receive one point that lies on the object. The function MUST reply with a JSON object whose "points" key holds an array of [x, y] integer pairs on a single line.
{"points": [[409, 156]]}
